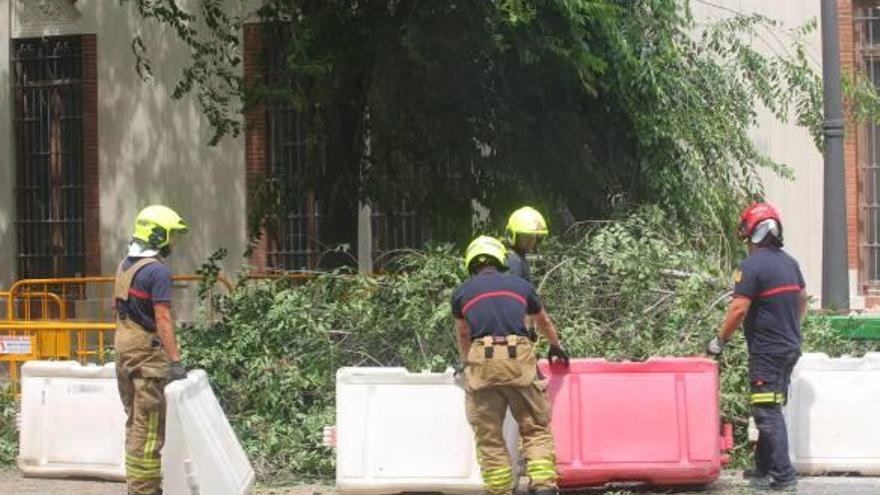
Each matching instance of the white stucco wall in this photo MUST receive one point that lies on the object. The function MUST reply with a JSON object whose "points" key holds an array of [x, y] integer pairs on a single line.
{"points": [[151, 149], [800, 200], [154, 150]]}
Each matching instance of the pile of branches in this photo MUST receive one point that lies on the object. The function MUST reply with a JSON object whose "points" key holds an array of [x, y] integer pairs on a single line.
{"points": [[624, 290]]}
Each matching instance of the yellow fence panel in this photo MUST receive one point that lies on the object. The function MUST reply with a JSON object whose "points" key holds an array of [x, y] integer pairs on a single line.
{"points": [[22, 341], [63, 319], [81, 298]]}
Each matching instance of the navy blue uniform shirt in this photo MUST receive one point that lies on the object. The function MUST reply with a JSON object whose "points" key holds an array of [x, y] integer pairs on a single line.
{"points": [[772, 280], [518, 265], [495, 303], [150, 285]]}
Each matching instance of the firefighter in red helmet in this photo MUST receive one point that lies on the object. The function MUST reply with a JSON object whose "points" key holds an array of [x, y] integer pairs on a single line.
{"points": [[770, 302]]}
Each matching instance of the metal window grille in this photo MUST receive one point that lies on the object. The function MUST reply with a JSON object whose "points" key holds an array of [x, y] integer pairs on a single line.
{"points": [[868, 34], [396, 229], [293, 236], [47, 83], [403, 226]]}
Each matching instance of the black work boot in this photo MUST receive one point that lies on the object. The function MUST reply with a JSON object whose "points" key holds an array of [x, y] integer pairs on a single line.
{"points": [[783, 486], [762, 483], [769, 484], [754, 472]]}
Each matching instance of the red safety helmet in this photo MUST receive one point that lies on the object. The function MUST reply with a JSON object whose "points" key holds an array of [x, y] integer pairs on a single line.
{"points": [[754, 215]]}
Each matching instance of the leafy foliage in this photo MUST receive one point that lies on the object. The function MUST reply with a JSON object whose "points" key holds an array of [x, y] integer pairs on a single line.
{"points": [[274, 352], [625, 290], [8, 428], [577, 106]]}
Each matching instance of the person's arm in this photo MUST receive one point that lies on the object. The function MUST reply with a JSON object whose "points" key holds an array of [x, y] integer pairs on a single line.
{"points": [[548, 330], [736, 314], [463, 332], [803, 305], [803, 297], [165, 329]]}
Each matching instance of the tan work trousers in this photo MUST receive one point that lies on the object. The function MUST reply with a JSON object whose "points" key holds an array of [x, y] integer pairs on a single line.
{"points": [[141, 374], [486, 403]]}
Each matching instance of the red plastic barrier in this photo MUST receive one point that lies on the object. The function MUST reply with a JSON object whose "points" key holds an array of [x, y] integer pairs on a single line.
{"points": [[656, 422]]}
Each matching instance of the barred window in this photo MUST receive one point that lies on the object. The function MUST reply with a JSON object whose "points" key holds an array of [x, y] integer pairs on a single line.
{"points": [[295, 230], [48, 108], [402, 225]]}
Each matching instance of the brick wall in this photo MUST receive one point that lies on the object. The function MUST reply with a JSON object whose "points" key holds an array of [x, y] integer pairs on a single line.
{"points": [[850, 146], [255, 136], [91, 169]]}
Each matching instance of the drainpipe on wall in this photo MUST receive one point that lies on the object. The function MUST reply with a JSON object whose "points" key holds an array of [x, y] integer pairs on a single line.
{"points": [[835, 268]]}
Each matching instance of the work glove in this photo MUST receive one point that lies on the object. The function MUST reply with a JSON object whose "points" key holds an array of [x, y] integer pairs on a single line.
{"points": [[176, 371], [715, 346], [459, 370], [558, 353]]}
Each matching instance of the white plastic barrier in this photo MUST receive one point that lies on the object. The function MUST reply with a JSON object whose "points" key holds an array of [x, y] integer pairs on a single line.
{"points": [[403, 432], [832, 415], [72, 421], [202, 455]]}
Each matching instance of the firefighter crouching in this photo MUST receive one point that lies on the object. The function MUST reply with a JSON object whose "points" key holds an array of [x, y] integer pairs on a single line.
{"points": [[501, 367]]}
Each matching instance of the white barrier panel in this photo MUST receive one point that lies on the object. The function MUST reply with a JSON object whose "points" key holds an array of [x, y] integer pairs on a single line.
{"points": [[202, 455], [72, 421], [403, 432], [832, 414]]}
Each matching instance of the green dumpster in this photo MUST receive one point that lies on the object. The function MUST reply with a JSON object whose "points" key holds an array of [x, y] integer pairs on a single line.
{"points": [[864, 327]]}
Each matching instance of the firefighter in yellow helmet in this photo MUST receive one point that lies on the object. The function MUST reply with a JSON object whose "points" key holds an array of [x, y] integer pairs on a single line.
{"points": [[524, 228], [501, 367], [147, 356]]}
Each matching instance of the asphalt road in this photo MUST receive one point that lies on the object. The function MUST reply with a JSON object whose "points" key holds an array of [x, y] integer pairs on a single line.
{"points": [[12, 483]]}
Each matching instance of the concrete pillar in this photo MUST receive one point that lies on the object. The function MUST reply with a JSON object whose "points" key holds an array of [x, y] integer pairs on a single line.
{"points": [[365, 239], [7, 157]]}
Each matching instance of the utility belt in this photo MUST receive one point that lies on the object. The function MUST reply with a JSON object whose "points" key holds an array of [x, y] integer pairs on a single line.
{"points": [[500, 361], [124, 320], [489, 342]]}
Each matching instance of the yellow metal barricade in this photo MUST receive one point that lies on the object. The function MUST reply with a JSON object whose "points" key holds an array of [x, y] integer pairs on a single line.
{"points": [[38, 307], [39, 319], [22, 341], [73, 289]]}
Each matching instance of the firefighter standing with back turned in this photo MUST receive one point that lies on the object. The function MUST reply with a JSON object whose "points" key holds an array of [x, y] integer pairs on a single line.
{"points": [[501, 367], [769, 297], [147, 356]]}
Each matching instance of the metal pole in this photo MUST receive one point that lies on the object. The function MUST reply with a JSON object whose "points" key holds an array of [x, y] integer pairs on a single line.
{"points": [[835, 269]]}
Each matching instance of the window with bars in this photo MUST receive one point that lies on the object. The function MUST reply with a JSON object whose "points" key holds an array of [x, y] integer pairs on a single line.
{"points": [[307, 230], [293, 235], [403, 226], [49, 189], [304, 232]]}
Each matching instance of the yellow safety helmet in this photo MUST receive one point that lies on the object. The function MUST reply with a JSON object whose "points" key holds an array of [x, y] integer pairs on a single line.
{"points": [[154, 225], [525, 220], [485, 248]]}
